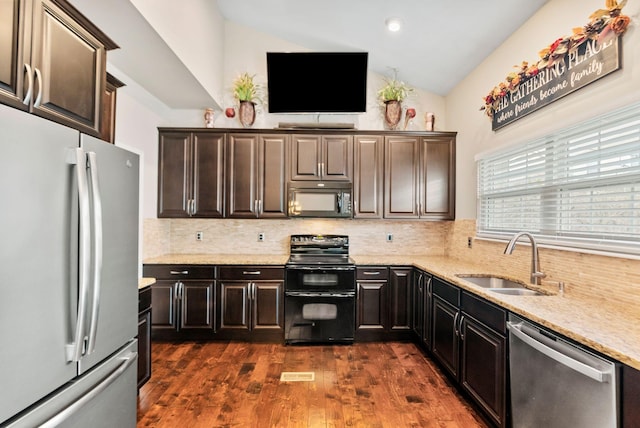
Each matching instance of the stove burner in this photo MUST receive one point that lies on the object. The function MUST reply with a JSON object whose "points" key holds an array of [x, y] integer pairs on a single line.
{"points": [[319, 250]]}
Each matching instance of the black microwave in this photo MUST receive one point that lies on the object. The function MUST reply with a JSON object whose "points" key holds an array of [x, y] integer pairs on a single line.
{"points": [[320, 199]]}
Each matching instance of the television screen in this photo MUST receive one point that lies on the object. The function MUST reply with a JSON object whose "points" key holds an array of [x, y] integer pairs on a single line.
{"points": [[317, 82]]}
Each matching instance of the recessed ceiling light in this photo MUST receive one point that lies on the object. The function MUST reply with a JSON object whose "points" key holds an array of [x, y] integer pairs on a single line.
{"points": [[393, 24]]}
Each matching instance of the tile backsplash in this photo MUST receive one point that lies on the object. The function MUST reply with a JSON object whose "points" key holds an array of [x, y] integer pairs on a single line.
{"points": [[609, 278], [230, 236]]}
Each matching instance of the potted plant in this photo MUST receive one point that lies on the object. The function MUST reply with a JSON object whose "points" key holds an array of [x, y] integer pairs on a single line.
{"points": [[391, 96], [247, 93]]}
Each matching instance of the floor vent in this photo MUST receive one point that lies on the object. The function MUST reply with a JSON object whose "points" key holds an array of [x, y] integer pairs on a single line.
{"points": [[297, 377]]}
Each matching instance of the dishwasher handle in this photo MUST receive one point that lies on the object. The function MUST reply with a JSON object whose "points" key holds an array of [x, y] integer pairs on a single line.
{"points": [[591, 372]]}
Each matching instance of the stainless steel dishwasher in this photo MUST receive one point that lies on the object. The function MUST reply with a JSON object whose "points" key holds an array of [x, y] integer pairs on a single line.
{"points": [[557, 384]]}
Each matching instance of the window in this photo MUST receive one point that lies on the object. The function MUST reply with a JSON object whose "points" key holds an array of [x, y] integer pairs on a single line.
{"points": [[579, 187]]}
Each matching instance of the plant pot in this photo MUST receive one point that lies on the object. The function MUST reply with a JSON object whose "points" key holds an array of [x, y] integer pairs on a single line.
{"points": [[247, 113], [392, 113]]}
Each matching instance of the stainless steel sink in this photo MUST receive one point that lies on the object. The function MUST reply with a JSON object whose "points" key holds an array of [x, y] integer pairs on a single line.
{"points": [[490, 281], [517, 291]]}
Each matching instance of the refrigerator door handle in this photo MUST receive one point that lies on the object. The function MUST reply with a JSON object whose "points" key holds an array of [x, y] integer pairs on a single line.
{"points": [[67, 412], [77, 157], [97, 248]]}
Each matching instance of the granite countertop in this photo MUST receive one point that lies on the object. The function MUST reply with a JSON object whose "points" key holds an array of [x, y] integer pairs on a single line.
{"points": [[612, 329], [145, 282], [219, 259]]}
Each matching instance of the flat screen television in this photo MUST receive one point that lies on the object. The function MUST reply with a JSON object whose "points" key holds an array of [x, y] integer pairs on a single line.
{"points": [[317, 82]]}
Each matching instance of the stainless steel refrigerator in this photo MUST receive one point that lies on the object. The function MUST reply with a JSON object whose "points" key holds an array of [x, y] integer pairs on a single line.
{"points": [[68, 276]]}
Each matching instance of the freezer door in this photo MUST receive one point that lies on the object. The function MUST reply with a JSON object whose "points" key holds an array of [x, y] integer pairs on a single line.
{"points": [[104, 397], [117, 186], [38, 253]]}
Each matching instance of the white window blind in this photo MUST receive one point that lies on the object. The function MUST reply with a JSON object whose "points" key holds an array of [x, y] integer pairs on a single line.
{"points": [[579, 187]]}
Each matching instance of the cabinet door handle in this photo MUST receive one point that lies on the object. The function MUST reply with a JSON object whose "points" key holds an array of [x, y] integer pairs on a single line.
{"points": [[38, 100], [428, 285], [27, 97], [371, 273], [460, 328], [455, 324], [322, 169], [251, 272], [179, 272]]}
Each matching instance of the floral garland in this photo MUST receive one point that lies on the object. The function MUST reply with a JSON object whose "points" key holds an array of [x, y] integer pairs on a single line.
{"points": [[601, 22]]}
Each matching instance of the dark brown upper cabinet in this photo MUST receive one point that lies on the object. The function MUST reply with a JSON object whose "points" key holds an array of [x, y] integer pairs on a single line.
{"points": [[53, 62], [191, 174], [437, 180], [368, 178], [419, 177], [256, 176], [321, 157]]}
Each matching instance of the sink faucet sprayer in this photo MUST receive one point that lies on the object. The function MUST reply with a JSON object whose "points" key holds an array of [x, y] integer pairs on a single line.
{"points": [[536, 275]]}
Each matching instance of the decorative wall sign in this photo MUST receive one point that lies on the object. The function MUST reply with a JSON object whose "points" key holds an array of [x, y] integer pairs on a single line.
{"points": [[568, 64]]}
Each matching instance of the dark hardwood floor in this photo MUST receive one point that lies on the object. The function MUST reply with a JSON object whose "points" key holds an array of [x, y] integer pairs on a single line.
{"points": [[222, 384]]}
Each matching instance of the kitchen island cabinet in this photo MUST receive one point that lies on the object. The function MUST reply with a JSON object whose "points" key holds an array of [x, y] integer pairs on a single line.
{"points": [[251, 303], [53, 63]]}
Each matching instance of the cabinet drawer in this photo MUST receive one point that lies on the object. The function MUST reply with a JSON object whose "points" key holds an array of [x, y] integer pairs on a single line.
{"points": [[179, 271], [251, 273], [485, 312], [446, 291], [372, 273], [144, 299]]}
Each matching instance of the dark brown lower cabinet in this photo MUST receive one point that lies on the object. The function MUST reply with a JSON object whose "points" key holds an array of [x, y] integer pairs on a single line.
{"points": [[483, 355], [630, 406], [251, 303], [400, 286], [144, 336], [469, 340], [183, 301], [383, 303]]}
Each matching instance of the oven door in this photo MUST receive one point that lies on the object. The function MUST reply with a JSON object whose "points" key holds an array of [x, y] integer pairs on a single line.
{"points": [[316, 317], [321, 279]]}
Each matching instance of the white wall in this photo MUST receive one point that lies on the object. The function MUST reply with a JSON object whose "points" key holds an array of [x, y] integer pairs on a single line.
{"points": [[195, 32], [245, 51], [554, 20]]}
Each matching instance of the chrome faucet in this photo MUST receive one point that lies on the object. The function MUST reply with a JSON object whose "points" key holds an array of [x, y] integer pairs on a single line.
{"points": [[536, 275]]}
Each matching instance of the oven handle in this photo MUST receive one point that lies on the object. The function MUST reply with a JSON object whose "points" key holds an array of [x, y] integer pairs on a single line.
{"points": [[347, 294], [320, 268]]}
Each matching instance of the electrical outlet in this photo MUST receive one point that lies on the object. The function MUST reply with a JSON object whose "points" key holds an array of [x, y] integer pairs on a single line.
{"points": [[199, 236], [261, 237], [389, 237], [469, 242]]}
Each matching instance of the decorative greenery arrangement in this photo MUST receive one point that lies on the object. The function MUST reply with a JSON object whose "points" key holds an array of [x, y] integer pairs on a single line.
{"points": [[394, 90], [244, 88], [601, 23]]}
